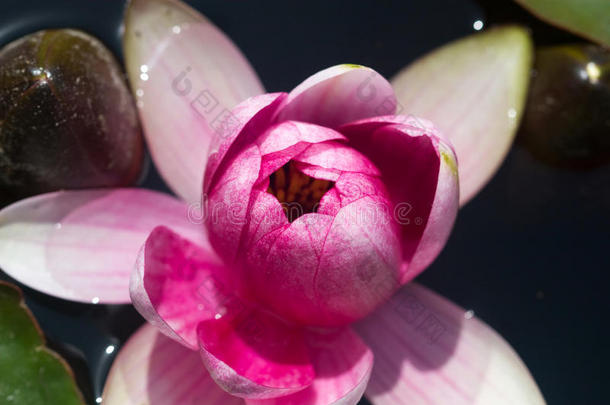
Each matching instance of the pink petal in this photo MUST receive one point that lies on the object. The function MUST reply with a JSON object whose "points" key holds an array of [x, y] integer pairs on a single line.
{"points": [[187, 76], [233, 168], [327, 271], [239, 164], [343, 365], [229, 203], [266, 217], [429, 351], [359, 262], [284, 262], [350, 187], [474, 90], [338, 95], [283, 141], [334, 157], [254, 355], [254, 118], [153, 369], [420, 170], [442, 216], [289, 133], [176, 285], [81, 245]]}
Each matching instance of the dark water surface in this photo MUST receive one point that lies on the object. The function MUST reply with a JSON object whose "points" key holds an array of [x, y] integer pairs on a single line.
{"points": [[528, 254]]}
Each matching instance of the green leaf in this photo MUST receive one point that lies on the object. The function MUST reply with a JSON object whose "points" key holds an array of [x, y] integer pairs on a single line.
{"points": [[30, 373], [588, 18]]}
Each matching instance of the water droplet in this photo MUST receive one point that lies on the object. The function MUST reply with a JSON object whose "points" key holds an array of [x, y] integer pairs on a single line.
{"points": [[139, 92], [512, 113], [144, 68], [469, 314], [217, 316], [144, 76], [98, 400], [110, 349], [176, 29], [478, 25], [95, 300]]}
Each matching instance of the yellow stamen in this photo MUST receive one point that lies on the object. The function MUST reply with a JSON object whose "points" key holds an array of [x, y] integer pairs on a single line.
{"points": [[298, 193]]}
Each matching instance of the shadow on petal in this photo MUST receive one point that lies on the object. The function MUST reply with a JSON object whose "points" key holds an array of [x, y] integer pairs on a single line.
{"points": [[343, 365], [428, 350], [408, 333], [251, 354], [190, 381], [152, 369]]}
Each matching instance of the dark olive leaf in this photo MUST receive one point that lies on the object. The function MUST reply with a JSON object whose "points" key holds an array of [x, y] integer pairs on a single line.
{"points": [[588, 18]]}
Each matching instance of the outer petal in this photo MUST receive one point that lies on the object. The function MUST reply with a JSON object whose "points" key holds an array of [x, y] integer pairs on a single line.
{"points": [[187, 76], [429, 351], [81, 245], [420, 171], [343, 366], [254, 355], [154, 370], [176, 285], [338, 95], [474, 90], [442, 215]]}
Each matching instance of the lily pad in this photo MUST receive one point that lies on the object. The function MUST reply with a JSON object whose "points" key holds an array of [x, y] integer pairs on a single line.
{"points": [[30, 373], [588, 18]]}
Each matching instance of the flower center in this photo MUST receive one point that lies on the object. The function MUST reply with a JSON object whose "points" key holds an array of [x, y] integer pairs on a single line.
{"points": [[298, 193]]}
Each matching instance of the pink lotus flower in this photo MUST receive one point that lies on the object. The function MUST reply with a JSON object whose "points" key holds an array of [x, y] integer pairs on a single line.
{"points": [[251, 302], [341, 248], [320, 204]]}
